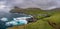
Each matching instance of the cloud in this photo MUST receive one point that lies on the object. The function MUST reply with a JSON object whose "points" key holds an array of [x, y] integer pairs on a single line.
{"points": [[43, 4], [7, 5], [4, 6]]}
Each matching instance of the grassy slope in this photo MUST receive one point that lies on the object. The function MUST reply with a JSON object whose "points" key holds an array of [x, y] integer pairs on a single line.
{"points": [[40, 24], [52, 22]]}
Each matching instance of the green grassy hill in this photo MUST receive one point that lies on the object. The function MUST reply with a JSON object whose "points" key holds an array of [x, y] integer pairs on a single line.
{"points": [[43, 22]]}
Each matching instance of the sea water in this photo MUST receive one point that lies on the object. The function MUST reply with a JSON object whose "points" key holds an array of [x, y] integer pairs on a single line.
{"points": [[7, 19]]}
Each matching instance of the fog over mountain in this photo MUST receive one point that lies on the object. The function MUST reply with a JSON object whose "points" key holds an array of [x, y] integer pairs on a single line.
{"points": [[7, 5]]}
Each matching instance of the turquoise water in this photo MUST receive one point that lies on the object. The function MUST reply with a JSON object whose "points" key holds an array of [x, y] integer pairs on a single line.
{"points": [[10, 17]]}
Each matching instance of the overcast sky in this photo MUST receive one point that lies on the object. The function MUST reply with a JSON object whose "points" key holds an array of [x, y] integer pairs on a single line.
{"points": [[7, 5]]}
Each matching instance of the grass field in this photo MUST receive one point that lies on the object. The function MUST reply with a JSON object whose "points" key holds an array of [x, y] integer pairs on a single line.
{"points": [[51, 22]]}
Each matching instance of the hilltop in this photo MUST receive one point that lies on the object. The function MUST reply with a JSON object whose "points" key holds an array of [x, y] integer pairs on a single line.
{"points": [[48, 21]]}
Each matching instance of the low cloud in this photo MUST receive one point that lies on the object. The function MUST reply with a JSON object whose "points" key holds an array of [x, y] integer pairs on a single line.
{"points": [[7, 5]]}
